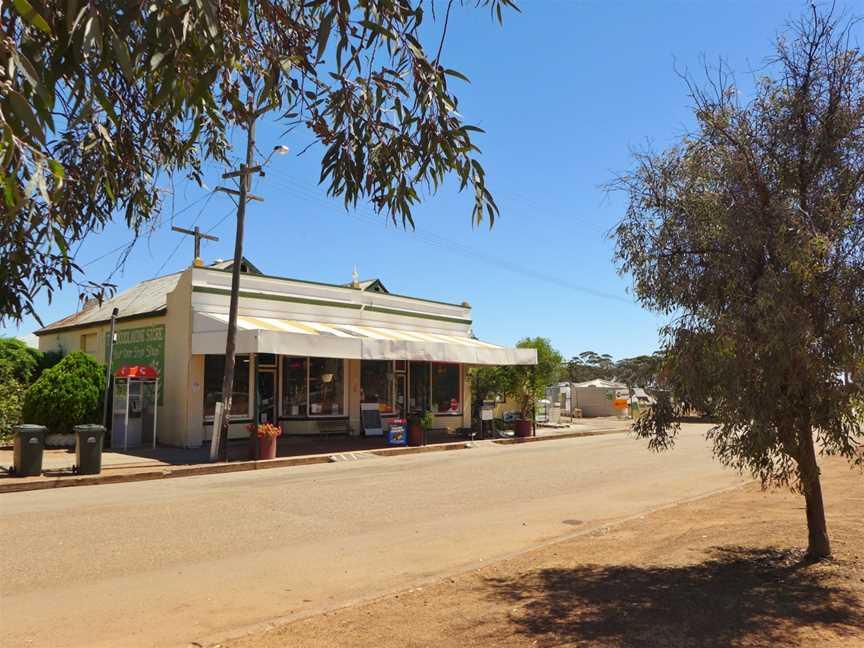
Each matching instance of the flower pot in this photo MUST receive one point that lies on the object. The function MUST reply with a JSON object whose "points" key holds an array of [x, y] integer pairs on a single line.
{"points": [[415, 434], [266, 446], [524, 427]]}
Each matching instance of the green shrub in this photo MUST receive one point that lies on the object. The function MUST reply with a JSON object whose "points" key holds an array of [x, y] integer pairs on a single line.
{"points": [[23, 361], [67, 394], [11, 401]]}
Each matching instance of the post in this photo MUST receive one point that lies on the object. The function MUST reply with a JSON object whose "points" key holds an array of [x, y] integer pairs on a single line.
{"points": [[106, 405], [231, 342]]}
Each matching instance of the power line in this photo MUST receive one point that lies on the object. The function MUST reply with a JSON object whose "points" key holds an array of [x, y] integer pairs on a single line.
{"points": [[131, 242], [448, 245], [181, 241]]}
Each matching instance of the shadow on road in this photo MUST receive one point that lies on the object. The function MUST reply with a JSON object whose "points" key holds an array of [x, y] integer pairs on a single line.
{"points": [[754, 597]]}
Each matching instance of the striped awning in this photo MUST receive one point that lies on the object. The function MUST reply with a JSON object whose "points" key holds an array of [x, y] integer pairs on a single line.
{"points": [[353, 341]]}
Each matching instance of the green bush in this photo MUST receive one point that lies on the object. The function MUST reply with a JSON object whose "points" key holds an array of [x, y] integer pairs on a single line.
{"points": [[23, 361], [11, 401], [67, 394]]}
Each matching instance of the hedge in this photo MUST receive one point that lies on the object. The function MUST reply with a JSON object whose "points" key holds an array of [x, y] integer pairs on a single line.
{"points": [[68, 394]]}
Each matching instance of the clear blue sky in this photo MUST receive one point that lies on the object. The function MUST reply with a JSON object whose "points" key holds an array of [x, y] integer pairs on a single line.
{"points": [[565, 90]]}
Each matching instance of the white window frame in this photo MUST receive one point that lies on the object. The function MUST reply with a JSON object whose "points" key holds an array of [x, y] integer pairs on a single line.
{"points": [[309, 414]]}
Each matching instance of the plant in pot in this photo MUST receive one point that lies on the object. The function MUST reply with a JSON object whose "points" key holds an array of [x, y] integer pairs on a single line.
{"points": [[262, 440], [526, 392], [418, 425]]}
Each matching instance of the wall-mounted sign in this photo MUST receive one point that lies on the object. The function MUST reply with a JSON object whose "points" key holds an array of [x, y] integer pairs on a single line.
{"points": [[140, 346]]}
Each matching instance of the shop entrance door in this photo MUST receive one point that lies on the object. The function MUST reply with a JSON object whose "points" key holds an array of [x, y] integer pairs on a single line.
{"points": [[266, 384], [401, 395]]}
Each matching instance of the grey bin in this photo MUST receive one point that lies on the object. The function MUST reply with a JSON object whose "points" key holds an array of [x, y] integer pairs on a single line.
{"points": [[88, 448], [29, 444]]}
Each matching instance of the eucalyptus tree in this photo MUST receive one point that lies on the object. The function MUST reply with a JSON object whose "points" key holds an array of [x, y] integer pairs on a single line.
{"points": [[749, 234], [101, 100]]}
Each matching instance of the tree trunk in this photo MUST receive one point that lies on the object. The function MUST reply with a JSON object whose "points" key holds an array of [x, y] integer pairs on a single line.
{"points": [[818, 545]]}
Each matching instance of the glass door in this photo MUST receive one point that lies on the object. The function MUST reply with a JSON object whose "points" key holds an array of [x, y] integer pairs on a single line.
{"points": [[266, 386], [400, 395]]}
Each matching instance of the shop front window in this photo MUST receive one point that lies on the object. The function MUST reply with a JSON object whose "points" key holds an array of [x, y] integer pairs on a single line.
{"points": [[294, 386], [418, 395], [445, 388], [326, 387], [214, 370], [376, 384]]}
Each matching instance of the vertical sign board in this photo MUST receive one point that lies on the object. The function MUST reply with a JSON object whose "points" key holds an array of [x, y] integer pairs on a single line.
{"points": [[144, 345]]}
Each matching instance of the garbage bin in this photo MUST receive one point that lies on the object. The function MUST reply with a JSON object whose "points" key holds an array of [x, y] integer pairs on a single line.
{"points": [[88, 448], [29, 444]]}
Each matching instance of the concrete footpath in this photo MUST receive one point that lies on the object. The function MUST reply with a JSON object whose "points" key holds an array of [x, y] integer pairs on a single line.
{"points": [[146, 464]]}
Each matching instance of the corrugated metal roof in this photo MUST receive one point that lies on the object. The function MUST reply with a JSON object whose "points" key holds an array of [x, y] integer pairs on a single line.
{"points": [[146, 297], [600, 384]]}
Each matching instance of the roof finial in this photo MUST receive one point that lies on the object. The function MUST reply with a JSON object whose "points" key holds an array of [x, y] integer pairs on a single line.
{"points": [[355, 278]]}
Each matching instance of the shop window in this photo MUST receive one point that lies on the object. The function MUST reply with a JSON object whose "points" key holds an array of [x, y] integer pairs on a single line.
{"points": [[418, 395], [376, 384], [294, 386], [214, 370], [326, 387], [445, 388]]}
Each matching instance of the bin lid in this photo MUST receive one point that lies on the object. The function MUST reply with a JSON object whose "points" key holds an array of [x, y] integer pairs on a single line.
{"points": [[88, 427], [136, 371], [29, 428]]}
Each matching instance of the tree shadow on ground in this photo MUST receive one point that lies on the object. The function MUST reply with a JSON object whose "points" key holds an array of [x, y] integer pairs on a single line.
{"points": [[740, 596]]}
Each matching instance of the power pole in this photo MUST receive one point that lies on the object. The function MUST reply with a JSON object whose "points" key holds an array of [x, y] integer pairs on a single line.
{"points": [[244, 173], [106, 405], [198, 236]]}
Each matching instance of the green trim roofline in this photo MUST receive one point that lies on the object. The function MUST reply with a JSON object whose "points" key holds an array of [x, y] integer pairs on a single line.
{"points": [[342, 286], [128, 318], [320, 302]]}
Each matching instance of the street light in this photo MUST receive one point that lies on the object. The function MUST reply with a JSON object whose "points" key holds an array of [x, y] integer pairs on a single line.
{"points": [[279, 149]]}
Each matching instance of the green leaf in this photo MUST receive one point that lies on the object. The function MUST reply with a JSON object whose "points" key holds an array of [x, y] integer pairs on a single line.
{"points": [[22, 110], [244, 10], [458, 75], [122, 55], [31, 16], [324, 34]]}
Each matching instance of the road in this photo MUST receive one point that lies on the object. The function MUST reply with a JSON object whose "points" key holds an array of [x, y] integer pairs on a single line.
{"points": [[166, 563]]}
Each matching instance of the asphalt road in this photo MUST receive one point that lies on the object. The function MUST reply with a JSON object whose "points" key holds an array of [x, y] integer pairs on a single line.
{"points": [[169, 562]]}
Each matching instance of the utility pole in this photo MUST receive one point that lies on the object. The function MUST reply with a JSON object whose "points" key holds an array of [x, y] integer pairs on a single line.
{"points": [[106, 405], [198, 236], [244, 173]]}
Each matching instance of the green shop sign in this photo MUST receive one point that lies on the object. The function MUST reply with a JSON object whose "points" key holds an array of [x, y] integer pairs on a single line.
{"points": [[140, 346]]}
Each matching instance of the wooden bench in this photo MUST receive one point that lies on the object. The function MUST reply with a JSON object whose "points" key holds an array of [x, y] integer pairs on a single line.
{"points": [[326, 428]]}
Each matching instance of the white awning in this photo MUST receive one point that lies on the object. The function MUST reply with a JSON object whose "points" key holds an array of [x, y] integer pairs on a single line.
{"points": [[353, 341]]}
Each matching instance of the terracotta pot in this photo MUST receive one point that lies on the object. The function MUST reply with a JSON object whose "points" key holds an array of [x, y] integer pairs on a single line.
{"points": [[415, 434], [524, 428], [266, 446]]}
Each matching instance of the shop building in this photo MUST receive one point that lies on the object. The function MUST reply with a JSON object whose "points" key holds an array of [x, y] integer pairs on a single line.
{"points": [[308, 353]]}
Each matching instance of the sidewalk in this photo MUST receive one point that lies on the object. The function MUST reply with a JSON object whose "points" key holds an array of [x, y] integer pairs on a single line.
{"points": [[141, 464]]}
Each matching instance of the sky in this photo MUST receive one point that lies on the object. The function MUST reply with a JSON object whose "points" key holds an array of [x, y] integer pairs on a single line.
{"points": [[565, 91]]}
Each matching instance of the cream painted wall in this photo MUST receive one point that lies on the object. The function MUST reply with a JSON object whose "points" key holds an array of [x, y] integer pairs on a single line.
{"points": [[70, 341]]}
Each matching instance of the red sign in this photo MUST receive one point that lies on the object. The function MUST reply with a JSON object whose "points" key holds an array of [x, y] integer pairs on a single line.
{"points": [[136, 371]]}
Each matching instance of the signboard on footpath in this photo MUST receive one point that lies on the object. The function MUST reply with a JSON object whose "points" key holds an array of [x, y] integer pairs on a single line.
{"points": [[140, 346]]}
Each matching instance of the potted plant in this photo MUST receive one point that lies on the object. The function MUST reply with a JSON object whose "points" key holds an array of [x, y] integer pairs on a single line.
{"points": [[262, 440], [525, 392], [418, 425]]}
